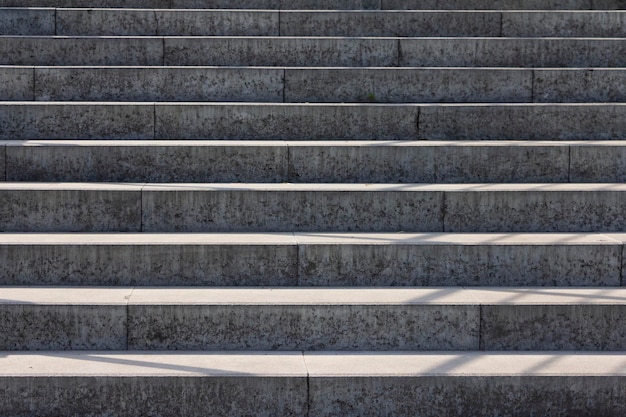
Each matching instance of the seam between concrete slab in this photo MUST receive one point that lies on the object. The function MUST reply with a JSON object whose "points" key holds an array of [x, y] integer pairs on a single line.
{"points": [[284, 82], [532, 86], [34, 83], [569, 164], [55, 21], [443, 211], [279, 16], [308, 385], [399, 52], [5, 162], [156, 23], [141, 207], [298, 247], [501, 24], [154, 121], [480, 328], [163, 50], [417, 122], [288, 170], [128, 316], [621, 267]]}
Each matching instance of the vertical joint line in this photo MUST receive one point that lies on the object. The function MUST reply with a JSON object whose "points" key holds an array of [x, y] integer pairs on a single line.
{"points": [[399, 52], [6, 162], [56, 17], [569, 163], [280, 12], [34, 83], [417, 122], [308, 386], [288, 168], [284, 83], [141, 225], [532, 85], [621, 267], [154, 121], [443, 211], [163, 51], [480, 328], [501, 24], [298, 277], [157, 32]]}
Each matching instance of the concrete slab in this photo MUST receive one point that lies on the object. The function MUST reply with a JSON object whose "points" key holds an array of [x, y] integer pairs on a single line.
{"points": [[285, 121], [17, 83], [389, 23], [598, 162], [403, 85], [39, 207], [281, 51], [290, 207], [27, 21], [523, 121], [597, 85], [74, 120], [141, 161], [33, 50], [604, 24]]}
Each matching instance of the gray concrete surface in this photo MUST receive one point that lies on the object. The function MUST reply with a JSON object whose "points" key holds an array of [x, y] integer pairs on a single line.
{"points": [[536, 208], [513, 52], [593, 85], [565, 23], [17, 83], [159, 84], [69, 207], [287, 207], [598, 164], [142, 161], [27, 21], [353, 23], [77, 22], [73, 120], [148, 259], [427, 162], [285, 121], [492, 5], [523, 121], [81, 51], [397, 85], [281, 51]]}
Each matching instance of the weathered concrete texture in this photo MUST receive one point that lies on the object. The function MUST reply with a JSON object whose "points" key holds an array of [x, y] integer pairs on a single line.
{"points": [[418, 85], [281, 51], [553, 327], [81, 51], [603, 163], [40, 327], [66, 120], [536, 208], [87, 3], [428, 162], [140, 260], [520, 121], [595, 85], [113, 22], [564, 23], [17, 83], [286, 121], [609, 4], [225, 4], [287, 207], [513, 52], [472, 395], [159, 84], [27, 22], [457, 260], [131, 384], [141, 161], [492, 5], [63, 207], [302, 327], [354, 23], [3, 158]]}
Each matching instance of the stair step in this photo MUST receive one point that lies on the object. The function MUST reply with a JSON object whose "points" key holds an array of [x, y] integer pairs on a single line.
{"points": [[491, 319], [160, 22], [329, 4], [312, 259], [314, 51], [91, 207], [293, 85], [314, 161], [325, 121]]}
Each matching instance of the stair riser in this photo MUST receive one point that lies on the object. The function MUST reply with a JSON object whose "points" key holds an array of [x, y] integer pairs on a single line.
{"points": [[311, 52], [162, 395], [237, 327], [312, 265], [311, 122], [391, 85], [328, 4], [105, 22], [290, 162], [184, 210]]}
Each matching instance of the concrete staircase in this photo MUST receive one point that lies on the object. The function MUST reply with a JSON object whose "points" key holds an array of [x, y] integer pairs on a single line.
{"points": [[312, 208]]}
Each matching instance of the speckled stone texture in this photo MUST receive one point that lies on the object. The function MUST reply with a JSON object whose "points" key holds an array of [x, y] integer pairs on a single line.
{"points": [[579, 86], [27, 21], [399, 85], [598, 163], [70, 210], [161, 396], [62, 327], [159, 84], [527, 122], [553, 327], [17, 83], [81, 51], [286, 121], [159, 162], [189, 210], [168, 265], [282, 51], [315, 327], [459, 265], [536, 211], [564, 23], [470, 396], [30, 120]]}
